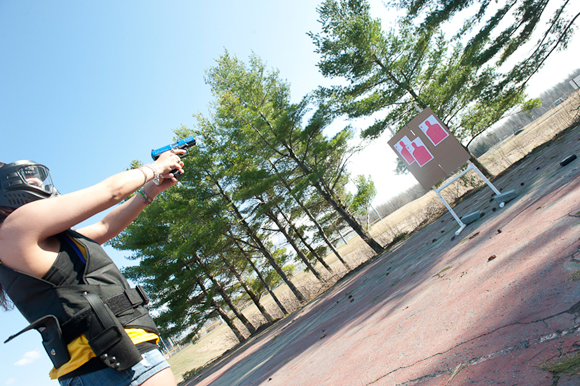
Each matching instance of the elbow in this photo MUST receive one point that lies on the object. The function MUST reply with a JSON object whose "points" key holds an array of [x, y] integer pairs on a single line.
{"points": [[117, 196], [116, 193]]}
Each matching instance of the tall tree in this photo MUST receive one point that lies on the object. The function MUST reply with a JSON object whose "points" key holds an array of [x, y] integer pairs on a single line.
{"points": [[498, 32], [293, 193], [220, 290], [214, 210], [256, 105], [229, 203], [360, 202], [255, 299], [221, 312], [389, 74], [269, 212], [266, 284], [258, 188]]}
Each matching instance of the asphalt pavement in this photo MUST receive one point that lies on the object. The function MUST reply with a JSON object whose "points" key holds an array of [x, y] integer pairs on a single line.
{"points": [[499, 304]]}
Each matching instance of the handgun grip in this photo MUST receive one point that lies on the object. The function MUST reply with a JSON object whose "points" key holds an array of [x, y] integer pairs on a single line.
{"points": [[176, 173]]}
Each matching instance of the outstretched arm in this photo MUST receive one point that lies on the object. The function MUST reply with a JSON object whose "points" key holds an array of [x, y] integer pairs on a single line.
{"points": [[26, 236], [120, 217]]}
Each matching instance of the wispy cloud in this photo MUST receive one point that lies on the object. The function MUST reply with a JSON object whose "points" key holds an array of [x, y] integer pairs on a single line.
{"points": [[10, 381], [28, 358]]}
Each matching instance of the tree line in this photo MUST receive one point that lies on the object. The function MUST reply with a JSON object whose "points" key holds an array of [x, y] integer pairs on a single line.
{"points": [[265, 187], [521, 118], [258, 174]]}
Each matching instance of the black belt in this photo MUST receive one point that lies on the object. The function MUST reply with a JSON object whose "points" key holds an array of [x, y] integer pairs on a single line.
{"points": [[126, 300], [103, 330]]}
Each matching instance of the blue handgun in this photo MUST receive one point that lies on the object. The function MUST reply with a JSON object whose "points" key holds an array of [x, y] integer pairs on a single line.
{"points": [[185, 144]]}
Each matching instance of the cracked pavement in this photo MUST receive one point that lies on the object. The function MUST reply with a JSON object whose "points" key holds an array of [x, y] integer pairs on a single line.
{"points": [[487, 307]]}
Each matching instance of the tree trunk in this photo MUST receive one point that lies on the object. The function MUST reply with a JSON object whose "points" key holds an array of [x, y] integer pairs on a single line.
{"points": [[250, 293], [350, 220], [291, 241], [259, 274], [222, 314], [258, 242], [480, 166], [306, 243], [375, 246], [312, 218], [225, 296]]}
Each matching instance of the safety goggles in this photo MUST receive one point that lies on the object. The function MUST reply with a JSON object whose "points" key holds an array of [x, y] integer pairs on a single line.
{"points": [[36, 176]]}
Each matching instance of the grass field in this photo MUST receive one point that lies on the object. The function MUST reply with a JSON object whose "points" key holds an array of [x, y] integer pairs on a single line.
{"points": [[406, 219]]}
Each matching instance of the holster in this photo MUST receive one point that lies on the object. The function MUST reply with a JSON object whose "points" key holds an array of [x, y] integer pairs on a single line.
{"points": [[101, 326], [52, 339], [107, 337]]}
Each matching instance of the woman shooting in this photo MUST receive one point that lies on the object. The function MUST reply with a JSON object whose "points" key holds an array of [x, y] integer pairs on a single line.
{"points": [[94, 326]]}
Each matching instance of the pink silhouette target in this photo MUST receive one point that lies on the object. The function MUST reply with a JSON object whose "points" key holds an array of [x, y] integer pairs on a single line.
{"points": [[420, 152], [433, 130], [405, 148]]}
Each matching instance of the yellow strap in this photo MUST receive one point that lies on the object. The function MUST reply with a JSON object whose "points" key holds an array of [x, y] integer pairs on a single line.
{"points": [[81, 352]]}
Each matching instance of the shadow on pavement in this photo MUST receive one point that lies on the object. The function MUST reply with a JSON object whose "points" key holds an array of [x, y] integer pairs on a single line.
{"points": [[487, 306]]}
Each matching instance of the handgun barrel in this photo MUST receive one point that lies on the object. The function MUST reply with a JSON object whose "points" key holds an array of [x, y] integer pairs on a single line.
{"points": [[181, 144]]}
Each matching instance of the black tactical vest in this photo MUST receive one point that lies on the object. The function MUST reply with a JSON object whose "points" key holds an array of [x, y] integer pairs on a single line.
{"points": [[99, 304]]}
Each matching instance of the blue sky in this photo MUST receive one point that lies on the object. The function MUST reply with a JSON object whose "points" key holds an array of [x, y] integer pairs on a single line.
{"points": [[86, 87]]}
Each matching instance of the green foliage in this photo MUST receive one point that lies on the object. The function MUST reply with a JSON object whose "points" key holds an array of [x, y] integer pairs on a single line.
{"points": [[207, 240], [388, 73], [531, 104], [400, 167], [365, 194], [399, 237], [566, 364], [497, 33], [253, 106]]}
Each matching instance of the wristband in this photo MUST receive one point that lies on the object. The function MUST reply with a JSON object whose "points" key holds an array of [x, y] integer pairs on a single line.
{"points": [[148, 200]]}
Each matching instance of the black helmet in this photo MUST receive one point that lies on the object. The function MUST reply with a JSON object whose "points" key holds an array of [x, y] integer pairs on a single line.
{"points": [[24, 181]]}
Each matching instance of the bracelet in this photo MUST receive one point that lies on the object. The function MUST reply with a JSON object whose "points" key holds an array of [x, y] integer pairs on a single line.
{"points": [[144, 175], [156, 176], [148, 200]]}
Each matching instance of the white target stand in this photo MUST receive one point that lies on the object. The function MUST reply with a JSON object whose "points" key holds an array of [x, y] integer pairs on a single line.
{"points": [[499, 197], [431, 153]]}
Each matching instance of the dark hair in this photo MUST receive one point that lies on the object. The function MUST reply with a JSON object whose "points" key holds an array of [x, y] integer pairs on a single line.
{"points": [[4, 212], [4, 301]]}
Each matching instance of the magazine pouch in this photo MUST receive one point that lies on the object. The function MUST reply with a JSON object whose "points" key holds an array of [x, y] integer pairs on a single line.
{"points": [[108, 339]]}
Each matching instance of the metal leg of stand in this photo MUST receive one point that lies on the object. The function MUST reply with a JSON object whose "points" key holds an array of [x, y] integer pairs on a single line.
{"points": [[497, 192], [461, 224]]}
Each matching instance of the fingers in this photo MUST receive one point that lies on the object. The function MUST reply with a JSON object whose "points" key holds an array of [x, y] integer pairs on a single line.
{"points": [[170, 161], [172, 155], [167, 163], [170, 176]]}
